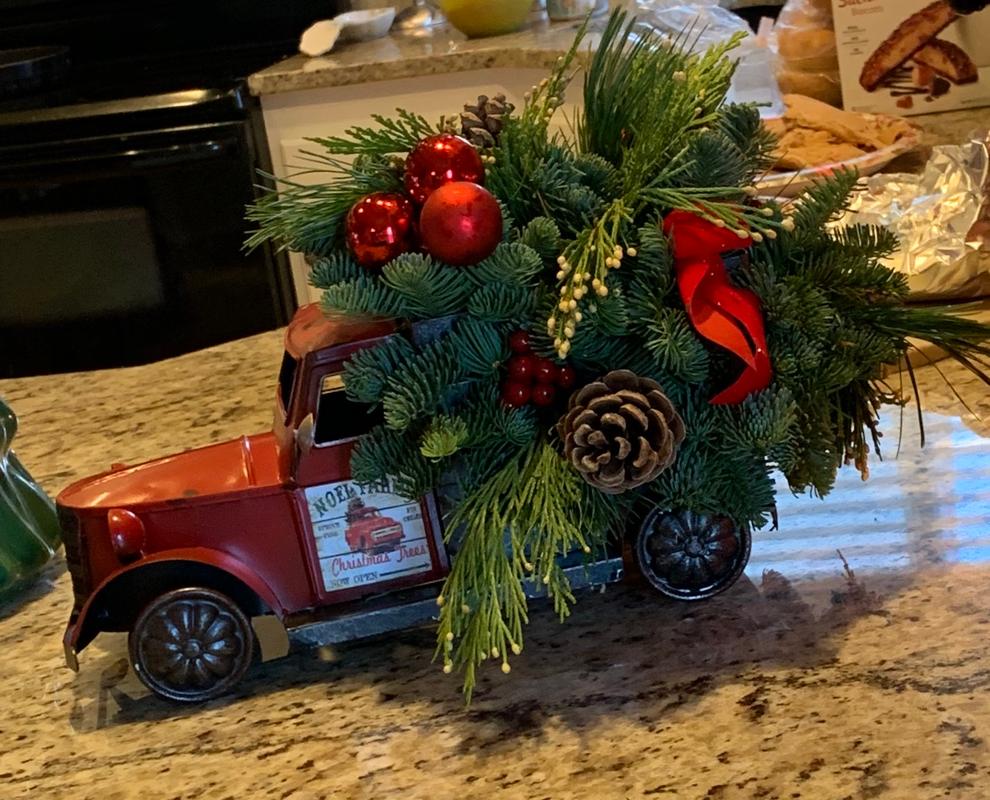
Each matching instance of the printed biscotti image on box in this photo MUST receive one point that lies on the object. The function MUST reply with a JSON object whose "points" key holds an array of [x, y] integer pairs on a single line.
{"points": [[913, 56]]}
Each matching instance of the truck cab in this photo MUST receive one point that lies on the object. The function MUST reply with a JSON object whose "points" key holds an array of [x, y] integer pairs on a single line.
{"points": [[184, 551]]}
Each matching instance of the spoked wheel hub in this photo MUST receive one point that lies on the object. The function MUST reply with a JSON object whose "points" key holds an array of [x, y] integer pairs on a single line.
{"points": [[691, 556], [191, 644]]}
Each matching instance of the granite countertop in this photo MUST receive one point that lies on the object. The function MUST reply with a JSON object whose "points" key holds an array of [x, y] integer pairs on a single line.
{"points": [[428, 51], [805, 680], [433, 51]]}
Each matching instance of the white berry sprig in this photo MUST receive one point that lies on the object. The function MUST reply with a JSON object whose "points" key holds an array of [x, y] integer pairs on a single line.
{"points": [[583, 270]]}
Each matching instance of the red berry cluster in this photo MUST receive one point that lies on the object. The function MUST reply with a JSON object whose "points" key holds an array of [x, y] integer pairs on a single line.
{"points": [[533, 379]]}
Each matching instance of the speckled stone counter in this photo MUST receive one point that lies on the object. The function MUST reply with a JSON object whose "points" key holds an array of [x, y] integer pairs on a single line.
{"points": [[805, 680], [429, 51]]}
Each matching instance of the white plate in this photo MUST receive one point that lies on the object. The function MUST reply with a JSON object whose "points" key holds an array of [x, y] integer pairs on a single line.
{"points": [[791, 184]]}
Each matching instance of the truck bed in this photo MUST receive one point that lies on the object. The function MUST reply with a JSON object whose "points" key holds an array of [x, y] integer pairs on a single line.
{"points": [[247, 462]]}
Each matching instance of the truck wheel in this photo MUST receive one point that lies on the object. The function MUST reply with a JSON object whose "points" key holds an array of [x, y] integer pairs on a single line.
{"points": [[191, 645], [691, 556]]}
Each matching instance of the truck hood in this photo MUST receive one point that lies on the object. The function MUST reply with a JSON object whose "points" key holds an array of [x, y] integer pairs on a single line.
{"points": [[251, 461]]}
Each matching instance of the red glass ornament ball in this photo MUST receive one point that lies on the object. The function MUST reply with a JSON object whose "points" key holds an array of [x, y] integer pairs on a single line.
{"points": [[519, 342], [543, 394], [515, 394], [380, 227], [460, 224], [441, 159], [566, 377], [546, 371], [522, 367]]}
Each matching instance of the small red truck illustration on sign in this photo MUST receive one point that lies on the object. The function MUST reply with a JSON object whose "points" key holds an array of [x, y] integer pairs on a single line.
{"points": [[368, 530]]}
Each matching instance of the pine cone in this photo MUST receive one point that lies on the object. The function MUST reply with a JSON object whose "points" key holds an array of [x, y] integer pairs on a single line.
{"points": [[482, 123], [621, 432]]}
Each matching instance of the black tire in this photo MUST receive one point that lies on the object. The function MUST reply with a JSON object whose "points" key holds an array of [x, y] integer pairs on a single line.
{"points": [[191, 645], [689, 556]]}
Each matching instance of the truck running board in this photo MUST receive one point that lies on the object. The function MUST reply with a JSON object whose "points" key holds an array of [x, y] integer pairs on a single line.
{"points": [[381, 620]]}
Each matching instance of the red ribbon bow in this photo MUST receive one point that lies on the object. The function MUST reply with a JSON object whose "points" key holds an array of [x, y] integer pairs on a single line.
{"points": [[727, 315]]}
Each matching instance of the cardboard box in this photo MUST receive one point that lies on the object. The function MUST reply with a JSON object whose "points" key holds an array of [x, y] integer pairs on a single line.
{"points": [[912, 56]]}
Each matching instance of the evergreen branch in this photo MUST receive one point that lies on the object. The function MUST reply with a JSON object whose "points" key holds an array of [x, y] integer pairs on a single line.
{"points": [[824, 202], [427, 288], [676, 347], [367, 373], [725, 206], [524, 141], [398, 134], [866, 242], [419, 385], [543, 236], [831, 268], [598, 174], [611, 317], [498, 302], [512, 263], [741, 123], [423, 382], [763, 423], [385, 453], [443, 437], [478, 347], [944, 327], [490, 422], [532, 511], [650, 274], [713, 159], [309, 218], [337, 267], [363, 295]]}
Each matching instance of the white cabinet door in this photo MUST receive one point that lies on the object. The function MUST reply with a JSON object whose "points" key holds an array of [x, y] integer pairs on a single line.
{"points": [[291, 117]]}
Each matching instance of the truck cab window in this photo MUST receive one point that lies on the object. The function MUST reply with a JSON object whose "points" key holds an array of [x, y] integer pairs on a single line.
{"points": [[286, 377], [337, 417]]}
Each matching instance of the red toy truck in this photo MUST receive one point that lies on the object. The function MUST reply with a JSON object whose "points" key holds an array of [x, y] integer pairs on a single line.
{"points": [[188, 553]]}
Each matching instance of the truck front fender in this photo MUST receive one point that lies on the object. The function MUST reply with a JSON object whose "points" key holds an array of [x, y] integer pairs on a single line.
{"points": [[118, 600]]}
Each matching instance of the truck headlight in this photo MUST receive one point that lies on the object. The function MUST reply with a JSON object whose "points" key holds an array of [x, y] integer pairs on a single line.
{"points": [[126, 533]]}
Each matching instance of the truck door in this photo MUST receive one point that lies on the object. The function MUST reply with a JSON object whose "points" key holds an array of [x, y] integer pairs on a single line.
{"points": [[362, 539]]}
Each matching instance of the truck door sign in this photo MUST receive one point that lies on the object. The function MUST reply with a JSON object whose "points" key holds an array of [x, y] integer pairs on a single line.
{"points": [[366, 534]]}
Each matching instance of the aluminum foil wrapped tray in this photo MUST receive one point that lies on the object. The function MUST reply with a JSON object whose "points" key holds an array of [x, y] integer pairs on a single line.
{"points": [[941, 218]]}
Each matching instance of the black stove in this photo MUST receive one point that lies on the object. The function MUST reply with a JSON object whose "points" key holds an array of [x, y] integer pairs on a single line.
{"points": [[123, 181]]}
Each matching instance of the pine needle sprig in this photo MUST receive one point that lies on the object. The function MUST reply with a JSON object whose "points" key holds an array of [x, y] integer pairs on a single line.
{"points": [[363, 295], [676, 347], [367, 373], [418, 386], [503, 302], [444, 436], [386, 453], [517, 524], [427, 288], [308, 218], [337, 267], [824, 202], [398, 134]]}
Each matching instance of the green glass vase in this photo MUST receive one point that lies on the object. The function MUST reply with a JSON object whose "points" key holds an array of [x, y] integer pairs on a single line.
{"points": [[29, 531]]}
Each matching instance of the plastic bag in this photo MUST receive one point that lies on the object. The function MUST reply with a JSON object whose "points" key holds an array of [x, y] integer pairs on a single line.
{"points": [[705, 19], [707, 24], [807, 59]]}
